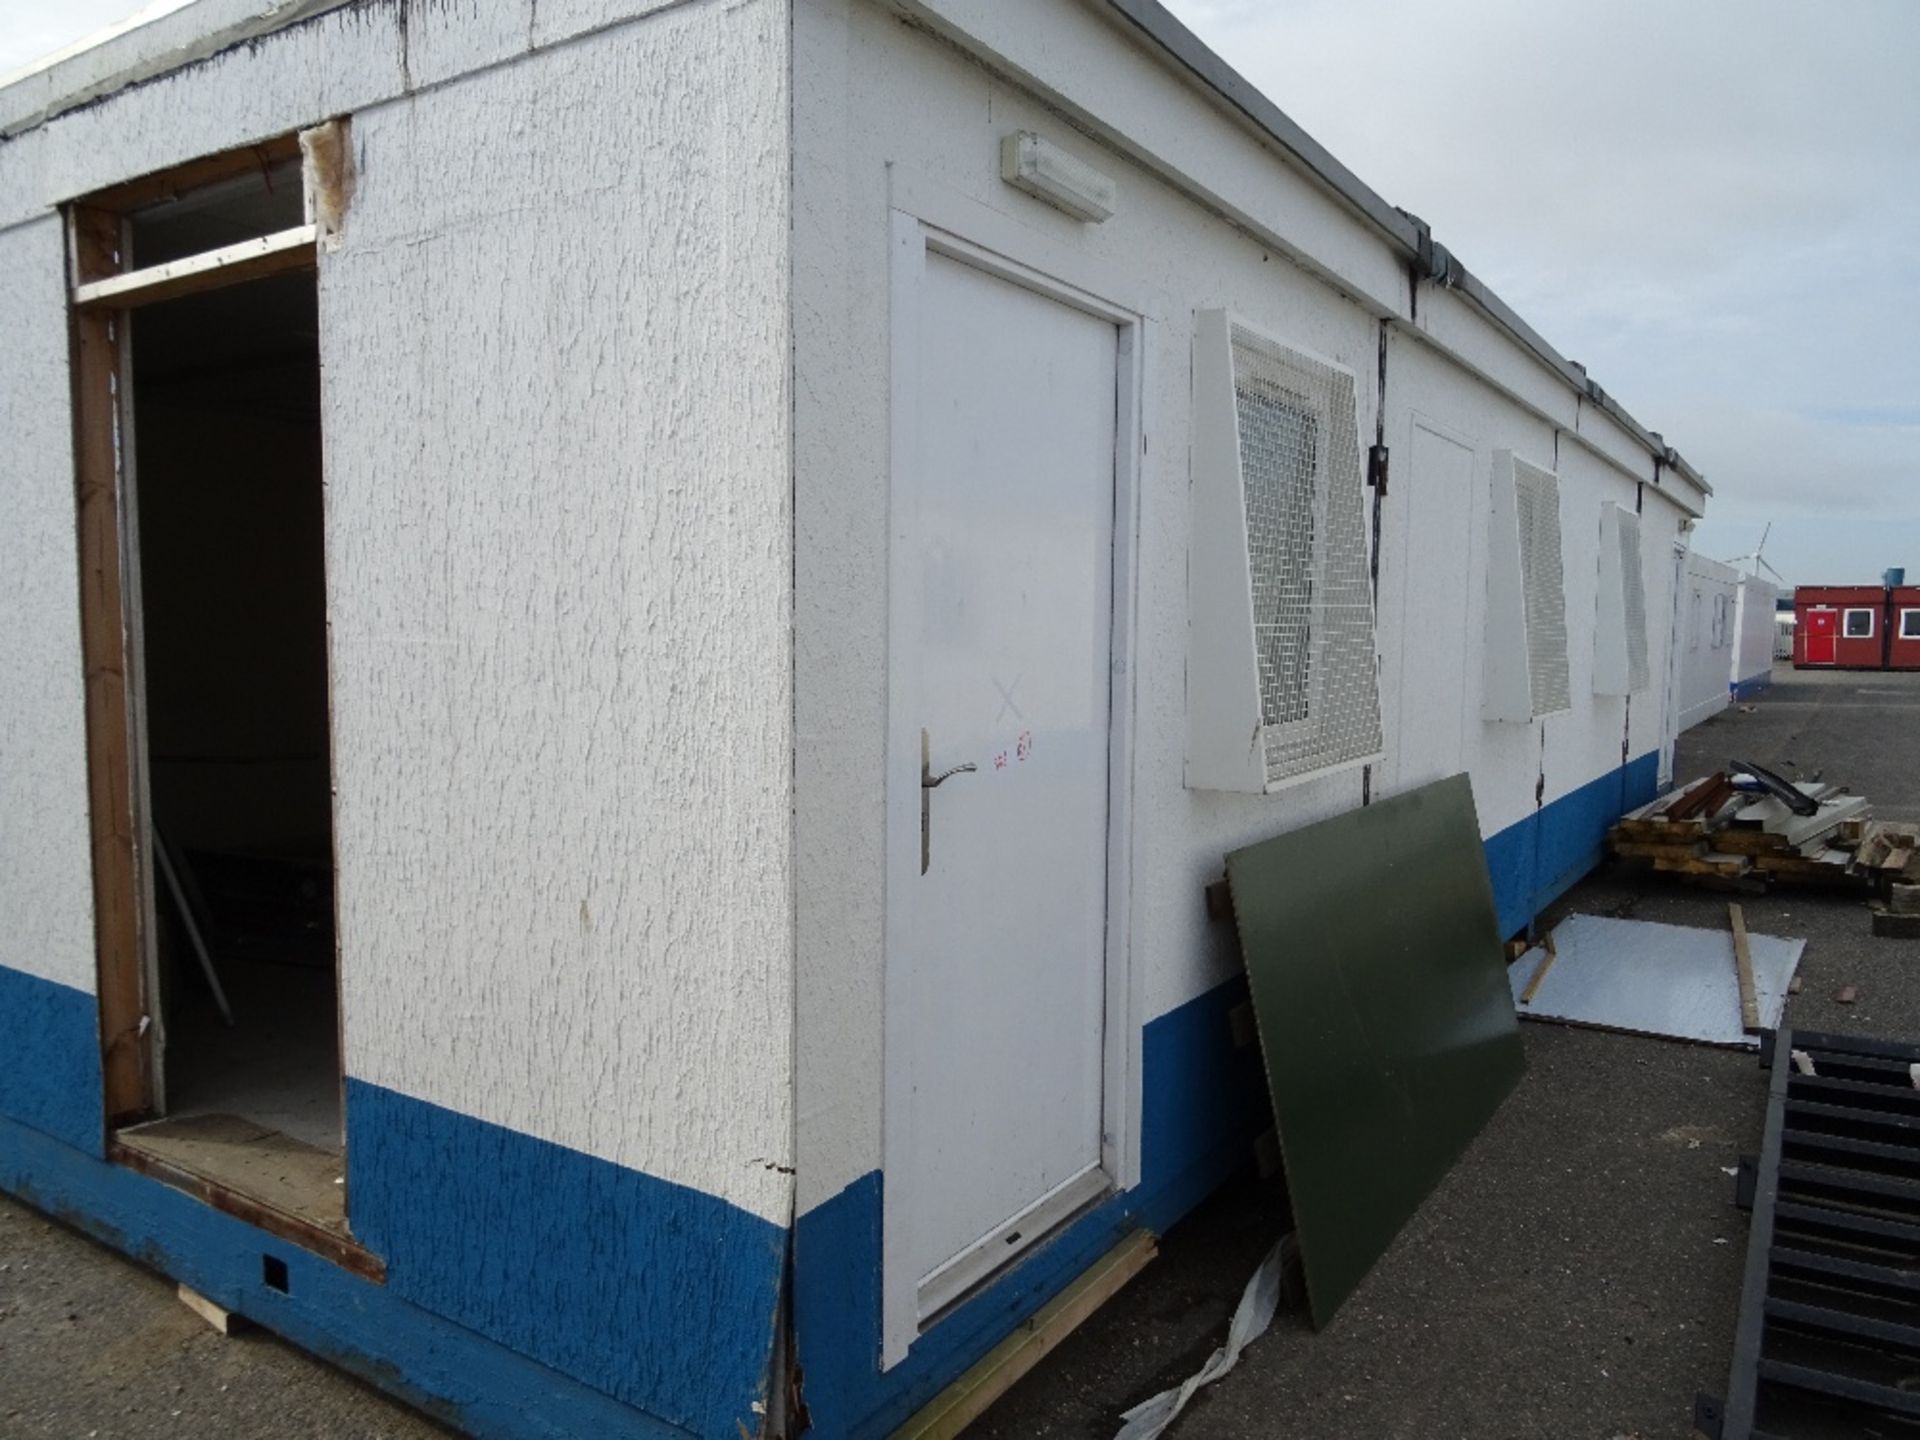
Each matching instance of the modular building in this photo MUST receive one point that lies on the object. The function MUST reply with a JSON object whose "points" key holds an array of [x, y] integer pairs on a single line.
{"points": [[1903, 628], [1755, 632], [1840, 627], [633, 629], [1709, 649]]}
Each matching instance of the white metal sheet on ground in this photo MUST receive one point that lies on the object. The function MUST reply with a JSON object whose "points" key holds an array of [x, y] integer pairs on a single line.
{"points": [[1670, 980]]}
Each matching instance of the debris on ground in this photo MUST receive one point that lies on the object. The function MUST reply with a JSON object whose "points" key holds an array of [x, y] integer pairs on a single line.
{"points": [[1749, 825], [1846, 995]]}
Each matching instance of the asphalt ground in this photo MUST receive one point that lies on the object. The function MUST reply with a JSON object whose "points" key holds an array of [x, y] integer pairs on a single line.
{"points": [[1575, 1275]]}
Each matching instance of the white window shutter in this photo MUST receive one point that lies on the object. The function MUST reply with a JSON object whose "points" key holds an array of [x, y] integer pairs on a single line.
{"points": [[1282, 682], [1620, 606], [1525, 670]]}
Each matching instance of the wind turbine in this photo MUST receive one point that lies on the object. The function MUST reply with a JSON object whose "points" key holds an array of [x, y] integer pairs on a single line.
{"points": [[1758, 558]]}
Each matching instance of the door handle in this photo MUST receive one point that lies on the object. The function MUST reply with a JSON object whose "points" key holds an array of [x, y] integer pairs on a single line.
{"points": [[929, 782]]}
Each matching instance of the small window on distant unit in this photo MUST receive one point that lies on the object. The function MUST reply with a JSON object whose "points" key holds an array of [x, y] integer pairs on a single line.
{"points": [[1859, 625], [1279, 538], [1910, 624]]}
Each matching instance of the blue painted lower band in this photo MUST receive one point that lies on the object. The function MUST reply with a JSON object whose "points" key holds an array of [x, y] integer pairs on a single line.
{"points": [[50, 1060], [367, 1329], [660, 1295], [1753, 685], [532, 1290], [1534, 862]]}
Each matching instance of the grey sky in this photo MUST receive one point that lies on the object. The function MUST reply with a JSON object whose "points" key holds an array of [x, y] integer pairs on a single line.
{"points": [[1712, 205]]}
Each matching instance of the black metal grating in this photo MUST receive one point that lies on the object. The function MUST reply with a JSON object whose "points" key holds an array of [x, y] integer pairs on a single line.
{"points": [[1828, 1342]]}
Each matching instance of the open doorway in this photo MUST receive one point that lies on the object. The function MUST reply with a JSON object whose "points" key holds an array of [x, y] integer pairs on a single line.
{"points": [[223, 605]]}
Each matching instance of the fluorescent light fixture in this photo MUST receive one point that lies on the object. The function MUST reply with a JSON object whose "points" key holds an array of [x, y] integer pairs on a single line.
{"points": [[1048, 173]]}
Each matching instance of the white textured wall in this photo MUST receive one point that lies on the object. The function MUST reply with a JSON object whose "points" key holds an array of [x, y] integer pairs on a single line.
{"points": [[46, 875], [1706, 666], [556, 417], [556, 424], [886, 115], [1756, 628]]}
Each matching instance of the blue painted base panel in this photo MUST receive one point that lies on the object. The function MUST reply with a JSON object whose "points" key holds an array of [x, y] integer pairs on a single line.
{"points": [[1534, 862], [1753, 685], [50, 1059], [532, 1290], [657, 1294], [445, 1369]]}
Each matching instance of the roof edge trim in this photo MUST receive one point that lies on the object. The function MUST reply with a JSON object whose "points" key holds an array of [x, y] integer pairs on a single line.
{"points": [[1406, 232], [167, 42]]}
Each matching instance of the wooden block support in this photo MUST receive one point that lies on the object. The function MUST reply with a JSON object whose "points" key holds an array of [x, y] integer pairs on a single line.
{"points": [[1219, 900], [1743, 969], [216, 1315], [964, 1401], [1890, 924], [1547, 957]]}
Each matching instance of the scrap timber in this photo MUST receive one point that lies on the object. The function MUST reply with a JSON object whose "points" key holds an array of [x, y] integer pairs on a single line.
{"points": [[1719, 829]]}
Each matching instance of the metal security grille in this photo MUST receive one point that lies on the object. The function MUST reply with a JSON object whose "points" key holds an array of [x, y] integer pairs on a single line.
{"points": [[1537, 501], [1633, 588], [1826, 1340], [1307, 557]]}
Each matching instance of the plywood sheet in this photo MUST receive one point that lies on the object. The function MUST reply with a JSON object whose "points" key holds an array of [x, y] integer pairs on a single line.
{"points": [[262, 1164], [1385, 1021], [1648, 979]]}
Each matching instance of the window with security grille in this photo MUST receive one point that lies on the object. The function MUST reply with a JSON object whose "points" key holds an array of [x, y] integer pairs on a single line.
{"points": [[1859, 625], [1633, 587], [1301, 477], [1543, 583]]}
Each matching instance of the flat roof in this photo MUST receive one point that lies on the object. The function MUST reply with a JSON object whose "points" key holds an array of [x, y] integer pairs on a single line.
{"points": [[150, 44]]}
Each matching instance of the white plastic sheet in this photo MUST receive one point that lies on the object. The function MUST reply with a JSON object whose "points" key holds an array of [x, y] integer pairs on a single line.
{"points": [[1250, 1321]]}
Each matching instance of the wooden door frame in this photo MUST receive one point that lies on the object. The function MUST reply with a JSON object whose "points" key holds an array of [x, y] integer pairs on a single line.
{"points": [[99, 370], [101, 373], [912, 238]]}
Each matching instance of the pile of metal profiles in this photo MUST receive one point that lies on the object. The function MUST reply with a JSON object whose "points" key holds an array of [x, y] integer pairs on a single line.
{"points": [[1715, 828], [1828, 1341]]}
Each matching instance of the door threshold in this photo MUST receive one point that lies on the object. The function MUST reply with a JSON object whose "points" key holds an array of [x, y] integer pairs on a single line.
{"points": [[987, 1258], [259, 1176]]}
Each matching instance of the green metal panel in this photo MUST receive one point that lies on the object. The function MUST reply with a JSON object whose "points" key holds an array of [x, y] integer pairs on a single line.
{"points": [[1385, 1018]]}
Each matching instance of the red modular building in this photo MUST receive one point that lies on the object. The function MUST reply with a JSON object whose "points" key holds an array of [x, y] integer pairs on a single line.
{"points": [[1903, 628], [1841, 626]]}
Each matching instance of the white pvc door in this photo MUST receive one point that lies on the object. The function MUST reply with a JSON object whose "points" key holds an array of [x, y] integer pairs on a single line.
{"points": [[1442, 502], [1002, 614]]}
